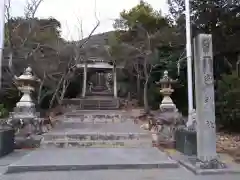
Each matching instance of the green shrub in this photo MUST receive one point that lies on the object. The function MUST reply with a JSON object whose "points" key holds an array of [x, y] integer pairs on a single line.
{"points": [[228, 102], [3, 111]]}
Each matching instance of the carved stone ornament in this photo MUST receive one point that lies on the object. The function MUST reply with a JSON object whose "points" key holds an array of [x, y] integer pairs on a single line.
{"points": [[206, 45]]}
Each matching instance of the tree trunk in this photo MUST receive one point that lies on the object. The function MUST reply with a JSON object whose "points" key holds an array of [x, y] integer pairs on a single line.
{"points": [[56, 91], [145, 97], [64, 88], [40, 89], [84, 80], [138, 88], [145, 93]]}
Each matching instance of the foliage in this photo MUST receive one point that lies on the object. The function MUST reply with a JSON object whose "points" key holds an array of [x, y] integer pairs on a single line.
{"points": [[34, 42], [3, 111], [115, 50], [153, 44], [33, 30], [150, 19], [228, 101], [219, 18], [222, 20]]}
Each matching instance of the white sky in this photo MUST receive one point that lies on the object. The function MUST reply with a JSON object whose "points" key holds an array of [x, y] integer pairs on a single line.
{"points": [[71, 12]]}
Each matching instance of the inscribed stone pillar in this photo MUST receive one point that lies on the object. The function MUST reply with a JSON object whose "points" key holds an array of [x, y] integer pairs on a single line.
{"points": [[115, 81], [205, 105]]}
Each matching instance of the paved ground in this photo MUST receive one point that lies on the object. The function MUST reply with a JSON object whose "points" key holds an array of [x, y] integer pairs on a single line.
{"points": [[139, 163], [11, 158]]}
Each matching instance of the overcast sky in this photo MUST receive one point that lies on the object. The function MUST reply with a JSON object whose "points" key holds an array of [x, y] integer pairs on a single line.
{"points": [[71, 12]]}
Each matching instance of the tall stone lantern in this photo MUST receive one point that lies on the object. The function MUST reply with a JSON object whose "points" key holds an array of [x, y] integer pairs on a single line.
{"points": [[168, 118], [166, 90], [25, 109]]}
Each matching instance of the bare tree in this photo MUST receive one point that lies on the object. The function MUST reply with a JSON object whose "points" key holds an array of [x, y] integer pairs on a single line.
{"points": [[141, 60], [11, 28], [23, 49], [54, 62], [77, 57]]}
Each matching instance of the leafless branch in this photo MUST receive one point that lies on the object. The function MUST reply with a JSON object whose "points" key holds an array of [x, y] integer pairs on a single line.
{"points": [[40, 88], [31, 8], [63, 82]]}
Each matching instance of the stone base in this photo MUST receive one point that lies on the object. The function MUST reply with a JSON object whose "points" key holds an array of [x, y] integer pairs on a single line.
{"points": [[186, 142], [168, 107], [192, 164], [167, 144], [27, 143]]}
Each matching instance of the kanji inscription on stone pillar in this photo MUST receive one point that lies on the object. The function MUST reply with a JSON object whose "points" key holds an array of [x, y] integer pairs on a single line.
{"points": [[205, 105]]}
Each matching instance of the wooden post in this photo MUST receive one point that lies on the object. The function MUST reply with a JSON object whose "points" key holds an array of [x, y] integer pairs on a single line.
{"points": [[115, 81], [84, 80]]}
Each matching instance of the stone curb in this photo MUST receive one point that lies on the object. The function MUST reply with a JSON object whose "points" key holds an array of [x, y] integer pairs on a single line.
{"points": [[38, 168]]}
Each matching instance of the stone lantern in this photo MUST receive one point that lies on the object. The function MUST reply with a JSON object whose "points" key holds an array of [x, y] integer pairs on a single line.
{"points": [[168, 118], [166, 90], [25, 111]]}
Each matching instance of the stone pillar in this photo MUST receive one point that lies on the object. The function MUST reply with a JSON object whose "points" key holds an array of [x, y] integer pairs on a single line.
{"points": [[115, 81], [84, 81], [204, 89]]}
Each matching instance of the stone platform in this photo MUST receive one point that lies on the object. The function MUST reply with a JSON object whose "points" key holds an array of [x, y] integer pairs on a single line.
{"points": [[92, 159]]}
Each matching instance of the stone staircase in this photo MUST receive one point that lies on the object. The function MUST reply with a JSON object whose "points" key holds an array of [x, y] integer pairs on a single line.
{"points": [[85, 141], [96, 129]]}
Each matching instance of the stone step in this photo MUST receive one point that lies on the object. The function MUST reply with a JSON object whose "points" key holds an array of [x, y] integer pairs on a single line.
{"points": [[95, 136], [94, 103], [100, 115], [94, 119], [102, 112], [79, 124], [103, 104], [69, 159], [97, 144]]}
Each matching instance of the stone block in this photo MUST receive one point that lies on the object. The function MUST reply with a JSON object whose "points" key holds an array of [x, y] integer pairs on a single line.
{"points": [[6, 141], [186, 142]]}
